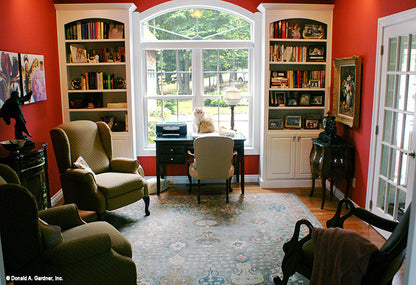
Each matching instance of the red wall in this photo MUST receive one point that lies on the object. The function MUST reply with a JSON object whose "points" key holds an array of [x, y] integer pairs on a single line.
{"points": [[29, 26], [355, 33]]}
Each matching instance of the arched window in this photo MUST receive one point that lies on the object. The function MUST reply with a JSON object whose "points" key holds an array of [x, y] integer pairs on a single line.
{"points": [[188, 56]]}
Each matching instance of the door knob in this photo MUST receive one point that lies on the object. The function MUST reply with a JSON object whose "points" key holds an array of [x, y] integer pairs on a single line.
{"points": [[410, 153]]}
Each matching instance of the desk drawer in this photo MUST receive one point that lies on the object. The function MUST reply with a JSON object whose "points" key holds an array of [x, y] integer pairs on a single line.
{"points": [[172, 159], [172, 149]]}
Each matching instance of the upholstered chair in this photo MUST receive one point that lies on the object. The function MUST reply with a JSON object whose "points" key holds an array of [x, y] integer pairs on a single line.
{"points": [[369, 266], [90, 176], [212, 160], [57, 243]]}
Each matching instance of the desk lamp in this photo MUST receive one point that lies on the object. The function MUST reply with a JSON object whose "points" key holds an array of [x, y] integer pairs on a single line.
{"points": [[232, 97]]}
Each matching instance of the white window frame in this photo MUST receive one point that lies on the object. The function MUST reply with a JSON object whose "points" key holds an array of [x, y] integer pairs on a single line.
{"points": [[140, 46]]}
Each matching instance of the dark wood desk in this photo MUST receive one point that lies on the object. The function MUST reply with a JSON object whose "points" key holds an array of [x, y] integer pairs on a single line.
{"points": [[174, 151], [334, 161], [31, 165]]}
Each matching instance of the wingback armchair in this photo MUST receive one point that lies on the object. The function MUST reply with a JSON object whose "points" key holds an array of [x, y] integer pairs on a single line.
{"points": [[56, 242], [103, 182]]}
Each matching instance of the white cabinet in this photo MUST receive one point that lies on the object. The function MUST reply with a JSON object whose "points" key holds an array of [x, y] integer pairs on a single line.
{"points": [[297, 71], [96, 68]]}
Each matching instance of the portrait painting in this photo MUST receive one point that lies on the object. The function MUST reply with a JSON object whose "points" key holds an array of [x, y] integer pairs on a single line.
{"points": [[9, 75], [33, 76]]}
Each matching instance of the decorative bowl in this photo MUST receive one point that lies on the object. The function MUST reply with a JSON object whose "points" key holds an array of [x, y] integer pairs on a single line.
{"points": [[12, 145]]}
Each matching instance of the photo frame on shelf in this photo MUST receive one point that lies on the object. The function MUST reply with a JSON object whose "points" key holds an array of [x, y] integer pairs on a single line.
{"points": [[78, 54], [316, 53], [10, 75], [33, 76], [313, 31], [317, 100], [347, 90], [292, 99], [312, 123], [275, 124], [277, 99], [293, 121], [305, 99]]}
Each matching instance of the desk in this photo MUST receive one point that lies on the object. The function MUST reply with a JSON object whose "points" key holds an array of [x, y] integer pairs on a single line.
{"points": [[334, 161], [31, 165], [174, 151]]}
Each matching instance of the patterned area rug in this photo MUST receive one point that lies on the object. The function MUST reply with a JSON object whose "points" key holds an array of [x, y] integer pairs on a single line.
{"points": [[182, 242]]}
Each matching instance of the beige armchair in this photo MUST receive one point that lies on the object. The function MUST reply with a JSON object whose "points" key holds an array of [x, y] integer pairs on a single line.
{"points": [[56, 243], [103, 182], [212, 160]]}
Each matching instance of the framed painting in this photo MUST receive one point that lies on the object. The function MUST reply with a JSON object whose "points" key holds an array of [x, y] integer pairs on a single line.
{"points": [[347, 90], [293, 122], [275, 124], [33, 76], [9, 75]]}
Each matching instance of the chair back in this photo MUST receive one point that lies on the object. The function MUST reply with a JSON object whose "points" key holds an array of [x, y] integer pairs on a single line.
{"points": [[19, 229], [213, 156], [84, 138]]}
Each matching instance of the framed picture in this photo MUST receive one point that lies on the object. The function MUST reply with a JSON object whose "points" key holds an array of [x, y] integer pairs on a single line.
{"points": [[292, 99], [316, 53], [305, 99], [78, 54], [293, 122], [347, 89], [312, 31], [9, 75], [277, 98], [275, 124], [311, 123], [317, 100], [33, 76]]}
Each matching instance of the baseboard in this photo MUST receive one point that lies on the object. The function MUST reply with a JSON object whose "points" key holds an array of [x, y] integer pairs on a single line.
{"points": [[338, 193], [285, 183], [55, 199], [185, 180]]}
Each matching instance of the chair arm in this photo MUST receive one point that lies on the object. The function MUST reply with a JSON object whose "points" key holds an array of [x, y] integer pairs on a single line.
{"points": [[76, 250], [8, 174], [127, 165], [65, 216], [338, 221], [294, 242]]}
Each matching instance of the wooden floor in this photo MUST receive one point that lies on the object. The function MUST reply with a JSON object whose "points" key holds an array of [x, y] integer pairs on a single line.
{"points": [[313, 203]]}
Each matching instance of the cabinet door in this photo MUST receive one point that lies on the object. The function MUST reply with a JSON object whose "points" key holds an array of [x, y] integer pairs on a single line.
{"points": [[303, 149], [121, 147], [280, 160]]}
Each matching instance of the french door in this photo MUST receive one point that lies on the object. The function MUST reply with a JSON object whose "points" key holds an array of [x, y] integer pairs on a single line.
{"points": [[394, 137]]}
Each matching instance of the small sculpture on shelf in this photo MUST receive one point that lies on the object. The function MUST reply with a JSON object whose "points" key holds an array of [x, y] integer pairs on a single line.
{"points": [[12, 109], [330, 133]]}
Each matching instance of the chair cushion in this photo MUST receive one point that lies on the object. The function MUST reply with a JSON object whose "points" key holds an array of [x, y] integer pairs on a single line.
{"points": [[194, 173], [308, 253], [82, 164], [118, 242], [113, 184], [51, 234]]}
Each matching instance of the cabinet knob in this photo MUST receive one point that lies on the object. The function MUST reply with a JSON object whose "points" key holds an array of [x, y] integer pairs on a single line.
{"points": [[171, 158], [171, 149]]}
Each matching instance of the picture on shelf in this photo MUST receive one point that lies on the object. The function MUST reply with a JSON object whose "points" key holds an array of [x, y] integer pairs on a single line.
{"points": [[116, 31], [312, 31], [312, 123], [316, 53], [317, 100], [292, 99], [305, 99], [294, 31], [275, 124], [33, 77], [278, 79], [293, 122], [9, 75], [78, 54], [277, 99]]}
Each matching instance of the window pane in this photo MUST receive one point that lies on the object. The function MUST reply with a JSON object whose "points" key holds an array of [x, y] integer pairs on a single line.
{"points": [[381, 193], [388, 116], [402, 203], [403, 53], [384, 160], [394, 165], [408, 129], [168, 72], [401, 92], [413, 54], [390, 90], [411, 93], [404, 170], [391, 196], [392, 55], [398, 129], [196, 24]]}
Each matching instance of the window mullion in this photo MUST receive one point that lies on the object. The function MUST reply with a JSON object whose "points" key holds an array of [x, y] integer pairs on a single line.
{"points": [[198, 77]]}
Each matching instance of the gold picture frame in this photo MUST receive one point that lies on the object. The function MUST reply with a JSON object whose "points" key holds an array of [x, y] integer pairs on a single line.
{"points": [[347, 90]]}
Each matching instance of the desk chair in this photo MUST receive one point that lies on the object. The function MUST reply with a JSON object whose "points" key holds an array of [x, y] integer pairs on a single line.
{"points": [[212, 160]]}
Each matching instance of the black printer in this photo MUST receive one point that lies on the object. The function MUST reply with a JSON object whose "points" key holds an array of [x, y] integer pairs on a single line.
{"points": [[171, 129]]}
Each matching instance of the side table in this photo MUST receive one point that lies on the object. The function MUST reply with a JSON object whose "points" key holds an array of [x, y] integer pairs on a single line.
{"points": [[31, 165], [334, 161]]}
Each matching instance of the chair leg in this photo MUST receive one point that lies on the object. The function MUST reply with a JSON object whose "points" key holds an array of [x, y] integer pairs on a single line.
{"points": [[199, 191], [146, 205], [226, 189]]}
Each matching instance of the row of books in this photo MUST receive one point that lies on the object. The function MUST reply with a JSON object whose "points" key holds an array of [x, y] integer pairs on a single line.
{"points": [[88, 30], [284, 30], [282, 53], [298, 79], [97, 81]]}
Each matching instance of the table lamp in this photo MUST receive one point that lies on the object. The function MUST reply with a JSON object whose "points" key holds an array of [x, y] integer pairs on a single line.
{"points": [[232, 97]]}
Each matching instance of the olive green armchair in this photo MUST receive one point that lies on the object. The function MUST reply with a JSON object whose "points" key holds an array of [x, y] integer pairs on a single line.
{"points": [[57, 243], [90, 176]]}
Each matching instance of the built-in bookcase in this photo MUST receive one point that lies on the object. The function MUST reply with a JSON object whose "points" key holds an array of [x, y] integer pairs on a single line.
{"points": [[297, 64], [96, 67]]}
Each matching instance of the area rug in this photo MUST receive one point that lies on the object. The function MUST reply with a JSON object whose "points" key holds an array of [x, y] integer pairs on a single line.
{"points": [[182, 242]]}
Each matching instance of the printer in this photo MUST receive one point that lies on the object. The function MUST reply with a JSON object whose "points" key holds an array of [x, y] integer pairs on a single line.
{"points": [[171, 129]]}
